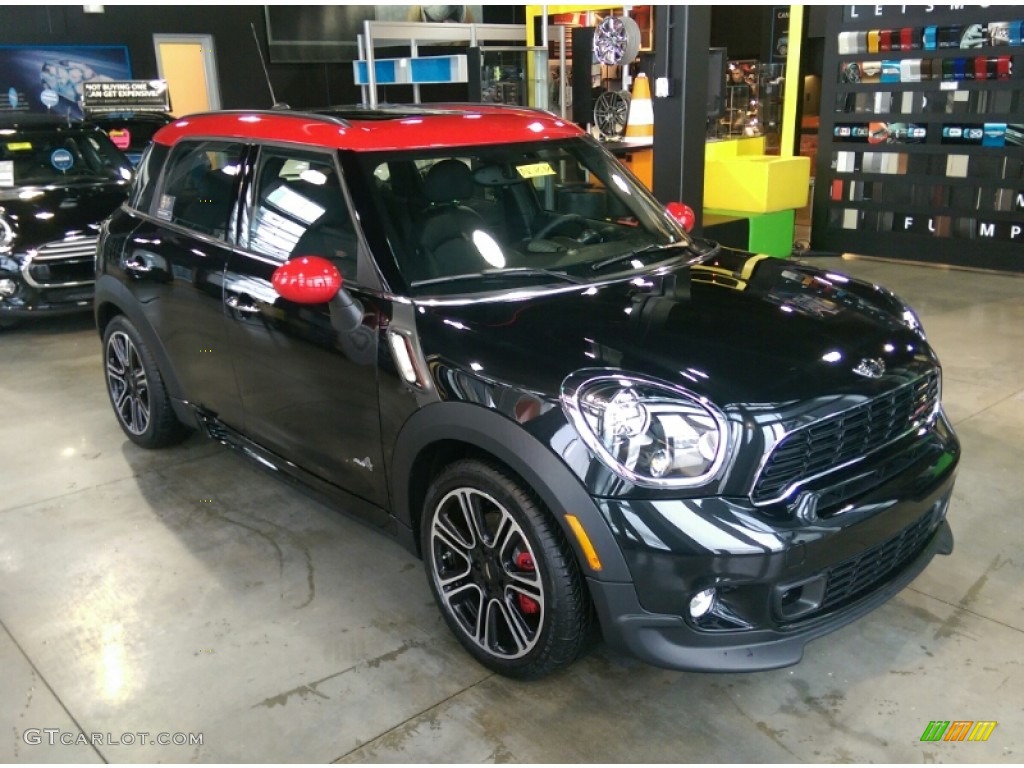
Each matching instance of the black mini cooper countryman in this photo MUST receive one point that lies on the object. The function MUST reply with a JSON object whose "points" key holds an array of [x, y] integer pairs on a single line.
{"points": [[473, 328]]}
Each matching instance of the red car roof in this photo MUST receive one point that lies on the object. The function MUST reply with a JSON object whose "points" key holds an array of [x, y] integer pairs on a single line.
{"points": [[389, 128]]}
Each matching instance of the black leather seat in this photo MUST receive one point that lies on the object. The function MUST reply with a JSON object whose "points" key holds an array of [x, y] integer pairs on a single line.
{"points": [[208, 213], [446, 227]]}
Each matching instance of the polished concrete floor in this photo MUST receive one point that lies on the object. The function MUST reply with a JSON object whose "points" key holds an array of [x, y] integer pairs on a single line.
{"points": [[190, 592]]}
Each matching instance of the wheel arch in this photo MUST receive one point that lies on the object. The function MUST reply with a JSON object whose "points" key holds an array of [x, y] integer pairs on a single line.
{"points": [[441, 433], [112, 298]]}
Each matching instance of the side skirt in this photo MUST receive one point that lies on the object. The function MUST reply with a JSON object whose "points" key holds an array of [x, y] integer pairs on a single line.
{"points": [[312, 485]]}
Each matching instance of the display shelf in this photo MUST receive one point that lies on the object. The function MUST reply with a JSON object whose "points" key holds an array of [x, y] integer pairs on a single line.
{"points": [[916, 166]]}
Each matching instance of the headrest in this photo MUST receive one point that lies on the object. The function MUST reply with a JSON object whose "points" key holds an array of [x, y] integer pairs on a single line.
{"points": [[447, 181]]}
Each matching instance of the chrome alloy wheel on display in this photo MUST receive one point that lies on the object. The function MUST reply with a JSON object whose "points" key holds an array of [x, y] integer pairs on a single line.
{"points": [[616, 40], [611, 113]]}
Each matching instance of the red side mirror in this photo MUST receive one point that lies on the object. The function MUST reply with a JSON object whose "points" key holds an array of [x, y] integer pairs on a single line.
{"points": [[683, 214], [307, 280]]}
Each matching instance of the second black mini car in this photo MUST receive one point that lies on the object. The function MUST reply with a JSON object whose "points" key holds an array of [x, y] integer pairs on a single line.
{"points": [[476, 330], [58, 181]]}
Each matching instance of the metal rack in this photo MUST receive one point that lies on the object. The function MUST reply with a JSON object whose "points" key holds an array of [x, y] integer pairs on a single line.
{"points": [[501, 37]]}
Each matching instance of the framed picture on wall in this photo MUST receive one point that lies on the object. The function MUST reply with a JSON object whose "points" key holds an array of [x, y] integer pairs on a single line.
{"points": [[51, 78]]}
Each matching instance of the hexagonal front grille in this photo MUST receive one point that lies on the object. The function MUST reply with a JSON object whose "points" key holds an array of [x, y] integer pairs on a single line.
{"points": [[819, 448]]}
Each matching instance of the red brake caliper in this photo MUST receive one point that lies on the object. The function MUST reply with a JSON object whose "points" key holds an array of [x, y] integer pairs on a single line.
{"points": [[524, 562]]}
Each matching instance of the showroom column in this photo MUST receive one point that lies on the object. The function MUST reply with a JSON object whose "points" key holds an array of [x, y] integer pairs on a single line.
{"points": [[682, 34]]}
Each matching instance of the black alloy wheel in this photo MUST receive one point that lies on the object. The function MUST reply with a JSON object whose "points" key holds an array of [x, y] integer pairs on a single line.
{"points": [[505, 579], [136, 389]]}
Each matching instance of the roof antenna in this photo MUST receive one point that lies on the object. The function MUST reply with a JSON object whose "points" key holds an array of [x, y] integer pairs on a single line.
{"points": [[266, 72]]}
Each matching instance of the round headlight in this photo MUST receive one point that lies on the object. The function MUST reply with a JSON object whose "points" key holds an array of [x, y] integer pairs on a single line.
{"points": [[651, 433]]}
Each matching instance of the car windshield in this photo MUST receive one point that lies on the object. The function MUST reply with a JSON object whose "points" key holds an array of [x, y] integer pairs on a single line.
{"points": [[488, 218], [58, 156]]}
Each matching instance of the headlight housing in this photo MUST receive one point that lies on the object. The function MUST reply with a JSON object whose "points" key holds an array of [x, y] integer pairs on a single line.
{"points": [[651, 433], [912, 321], [907, 316], [6, 234]]}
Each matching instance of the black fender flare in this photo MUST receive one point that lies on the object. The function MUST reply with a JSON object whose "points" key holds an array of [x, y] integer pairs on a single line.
{"points": [[112, 292], [558, 488]]}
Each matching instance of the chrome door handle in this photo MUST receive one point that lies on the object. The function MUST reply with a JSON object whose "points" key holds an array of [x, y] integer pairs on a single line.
{"points": [[244, 306], [137, 264]]}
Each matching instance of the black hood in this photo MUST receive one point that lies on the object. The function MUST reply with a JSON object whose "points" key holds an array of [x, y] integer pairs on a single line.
{"points": [[735, 328], [45, 214]]}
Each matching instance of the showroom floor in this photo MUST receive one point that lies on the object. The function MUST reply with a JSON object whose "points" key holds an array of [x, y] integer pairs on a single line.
{"points": [[189, 592]]}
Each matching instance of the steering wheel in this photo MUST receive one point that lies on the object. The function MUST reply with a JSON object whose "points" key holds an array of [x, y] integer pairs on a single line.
{"points": [[555, 223]]}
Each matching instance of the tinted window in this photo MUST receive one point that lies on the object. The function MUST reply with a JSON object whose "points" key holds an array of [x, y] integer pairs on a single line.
{"points": [[199, 185], [146, 175], [300, 210]]}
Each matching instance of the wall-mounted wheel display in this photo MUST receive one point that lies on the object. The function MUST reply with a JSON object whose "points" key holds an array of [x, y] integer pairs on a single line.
{"points": [[616, 41], [611, 112]]}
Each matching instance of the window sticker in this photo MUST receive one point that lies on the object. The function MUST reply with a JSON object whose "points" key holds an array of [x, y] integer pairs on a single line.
{"points": [[165, 211], [122, 137], [533, 170], [6, 173], [62, 159], [19, 146]]}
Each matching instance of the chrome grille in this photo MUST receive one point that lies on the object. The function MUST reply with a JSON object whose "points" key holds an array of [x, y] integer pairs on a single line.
{"points": [[844, 438], [62, 263]]}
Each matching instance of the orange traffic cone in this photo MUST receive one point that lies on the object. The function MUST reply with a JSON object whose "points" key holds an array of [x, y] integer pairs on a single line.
{"points": [[640, 124]]}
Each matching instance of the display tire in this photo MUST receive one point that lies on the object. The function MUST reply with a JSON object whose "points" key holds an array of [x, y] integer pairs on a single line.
{"points": [[617, 40]]}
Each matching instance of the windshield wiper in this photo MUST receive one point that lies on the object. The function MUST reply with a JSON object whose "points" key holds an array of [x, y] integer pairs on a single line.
{"points": [[633, 254], [512, 272]]}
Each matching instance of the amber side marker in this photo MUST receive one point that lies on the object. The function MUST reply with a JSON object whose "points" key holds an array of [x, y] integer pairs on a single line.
{"points": [[581, 536]]}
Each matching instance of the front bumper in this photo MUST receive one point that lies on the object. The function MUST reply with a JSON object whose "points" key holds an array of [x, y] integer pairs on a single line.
{"points": [[33, 301], [47, 303], [57, 277], [780, 583]]}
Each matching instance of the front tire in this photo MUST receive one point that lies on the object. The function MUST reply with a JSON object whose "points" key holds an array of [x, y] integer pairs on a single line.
{"points": [[502, 573], [136, 388]]}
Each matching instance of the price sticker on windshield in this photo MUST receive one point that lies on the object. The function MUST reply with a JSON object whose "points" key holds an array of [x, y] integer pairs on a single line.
{"points": [[533, 170], [19, 146]]}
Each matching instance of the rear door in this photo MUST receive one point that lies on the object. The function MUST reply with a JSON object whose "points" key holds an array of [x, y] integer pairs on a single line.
{"points": [[307, 376], [175, 268]]}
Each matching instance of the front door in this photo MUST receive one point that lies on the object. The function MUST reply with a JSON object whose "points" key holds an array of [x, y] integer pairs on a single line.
{"points": [[307, 374]]}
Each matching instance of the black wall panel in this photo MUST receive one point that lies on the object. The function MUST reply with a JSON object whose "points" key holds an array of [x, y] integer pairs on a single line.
{"points": [[242, 84]]}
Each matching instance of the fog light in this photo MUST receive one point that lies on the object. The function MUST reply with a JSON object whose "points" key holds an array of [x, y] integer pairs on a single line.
{"points": [[8, 287], [701, 602]]}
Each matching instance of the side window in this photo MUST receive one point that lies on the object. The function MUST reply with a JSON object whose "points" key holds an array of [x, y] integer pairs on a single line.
{"points": [[199, 185], [146, 175], [300, 210]]}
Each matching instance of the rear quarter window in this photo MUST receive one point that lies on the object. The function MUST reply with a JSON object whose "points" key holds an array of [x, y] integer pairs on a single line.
{"points": [[198, 185], [146, 176]]}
